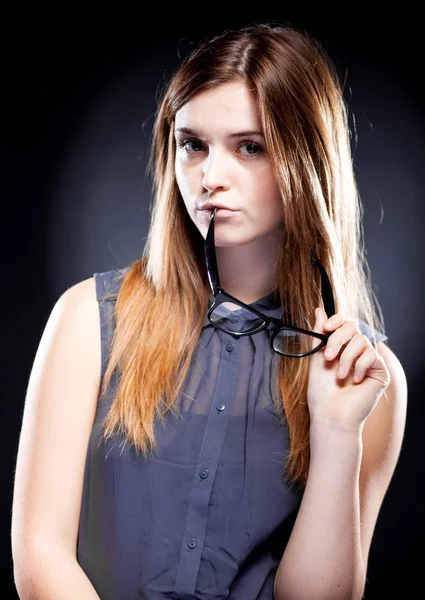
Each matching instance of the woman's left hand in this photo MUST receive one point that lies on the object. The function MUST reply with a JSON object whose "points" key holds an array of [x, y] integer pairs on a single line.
{"points": [[334, 396]]}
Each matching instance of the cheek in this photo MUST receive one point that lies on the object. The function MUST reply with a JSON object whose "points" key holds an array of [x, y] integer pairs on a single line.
{"points": [[187, 190], [179, 174], [262, 187], [185, 180]]}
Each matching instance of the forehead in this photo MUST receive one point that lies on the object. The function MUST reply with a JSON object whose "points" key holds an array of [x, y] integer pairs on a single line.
{"points": [[230, 105]]}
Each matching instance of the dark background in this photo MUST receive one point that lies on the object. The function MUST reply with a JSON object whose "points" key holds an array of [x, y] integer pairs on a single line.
{"points": [[78, 99]]}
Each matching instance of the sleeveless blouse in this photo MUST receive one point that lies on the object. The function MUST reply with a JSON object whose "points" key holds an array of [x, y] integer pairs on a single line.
{"points": [[208, 517]]}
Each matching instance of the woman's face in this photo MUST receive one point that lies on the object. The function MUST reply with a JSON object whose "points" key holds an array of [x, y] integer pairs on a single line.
{"points": [[221, 158]]}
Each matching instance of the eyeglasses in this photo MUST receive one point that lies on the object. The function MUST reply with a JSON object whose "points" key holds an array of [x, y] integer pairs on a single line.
{"points": [[233, 316]]}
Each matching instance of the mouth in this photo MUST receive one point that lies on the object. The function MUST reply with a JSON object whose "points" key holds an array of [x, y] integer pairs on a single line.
{"points": [[218, 209], [223, 213]]}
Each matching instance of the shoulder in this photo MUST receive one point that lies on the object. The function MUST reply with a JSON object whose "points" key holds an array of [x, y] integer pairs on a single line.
{"points": [[79, 299], [88, 292], [73, 323], [78, 305]]}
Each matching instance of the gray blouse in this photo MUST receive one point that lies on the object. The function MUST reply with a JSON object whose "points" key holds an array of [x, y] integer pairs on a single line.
{"points": [[209, 516]]}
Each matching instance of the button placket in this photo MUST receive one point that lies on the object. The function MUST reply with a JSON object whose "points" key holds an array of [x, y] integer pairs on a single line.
{"points": [[208, 459]]}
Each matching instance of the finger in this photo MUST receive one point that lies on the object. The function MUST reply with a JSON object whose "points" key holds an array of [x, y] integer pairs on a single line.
{"points": [[321, 318], [352, 353], [367, 360], [340, 338], [334, 321]]}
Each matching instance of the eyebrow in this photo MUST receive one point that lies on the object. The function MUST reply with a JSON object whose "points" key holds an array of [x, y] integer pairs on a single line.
{"points": [[232, 135]]}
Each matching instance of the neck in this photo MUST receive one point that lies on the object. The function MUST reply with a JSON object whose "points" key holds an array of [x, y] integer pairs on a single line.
{"points": [[248, 272]]}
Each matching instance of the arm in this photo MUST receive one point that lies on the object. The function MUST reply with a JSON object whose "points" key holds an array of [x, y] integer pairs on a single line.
{"points": [[58, 415], [51, 573], [327, 553]]}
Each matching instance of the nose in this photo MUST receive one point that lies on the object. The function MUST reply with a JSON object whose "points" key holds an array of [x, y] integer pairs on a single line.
{"points": [[216, 173]]}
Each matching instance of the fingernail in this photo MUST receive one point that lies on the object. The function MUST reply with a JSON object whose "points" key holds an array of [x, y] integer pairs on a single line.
{"points": [[329, 352]]}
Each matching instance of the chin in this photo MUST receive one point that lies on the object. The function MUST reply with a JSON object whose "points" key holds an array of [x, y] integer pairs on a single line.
{"points": [[228, 239]]}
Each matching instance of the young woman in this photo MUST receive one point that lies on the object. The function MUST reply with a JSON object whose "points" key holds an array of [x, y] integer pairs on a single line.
{"points": [[232, 430]]}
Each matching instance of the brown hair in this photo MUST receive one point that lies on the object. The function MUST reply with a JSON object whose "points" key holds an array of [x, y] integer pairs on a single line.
{"points": [[305, 123]]}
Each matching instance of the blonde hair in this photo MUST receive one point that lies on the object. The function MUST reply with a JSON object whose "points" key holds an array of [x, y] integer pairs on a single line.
{"points": [[305, 124]]}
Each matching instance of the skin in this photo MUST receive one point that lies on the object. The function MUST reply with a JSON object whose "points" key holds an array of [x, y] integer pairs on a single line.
{"points": [[236, 171]]}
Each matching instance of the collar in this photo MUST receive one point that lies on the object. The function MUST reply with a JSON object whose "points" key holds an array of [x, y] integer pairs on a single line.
{"points": [[268, 304]]}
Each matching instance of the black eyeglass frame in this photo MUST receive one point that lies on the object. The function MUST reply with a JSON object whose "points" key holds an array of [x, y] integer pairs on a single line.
{"points": [[220, 296]]}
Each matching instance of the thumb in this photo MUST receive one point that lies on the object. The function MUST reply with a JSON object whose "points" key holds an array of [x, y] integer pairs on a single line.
{"points": [[321, 318]]}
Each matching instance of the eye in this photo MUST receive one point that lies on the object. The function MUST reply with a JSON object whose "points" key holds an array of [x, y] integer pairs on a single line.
{"points": [[247, 148], [252, 149], [191, 146]]}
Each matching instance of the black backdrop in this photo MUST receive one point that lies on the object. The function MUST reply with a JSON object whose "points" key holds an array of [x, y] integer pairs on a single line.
{"points": [[77, 105]]}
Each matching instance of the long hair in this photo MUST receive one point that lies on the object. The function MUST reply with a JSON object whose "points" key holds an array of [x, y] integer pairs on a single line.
{"points": [[163, 298]]}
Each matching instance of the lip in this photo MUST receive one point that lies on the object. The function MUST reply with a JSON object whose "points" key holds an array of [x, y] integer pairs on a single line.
{"points": [[209, 208], [224, 212]]}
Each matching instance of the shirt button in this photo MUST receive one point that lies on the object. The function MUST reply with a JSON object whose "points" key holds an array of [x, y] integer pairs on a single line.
{"points": [[204, 473], [230, 346], [192, 543], [234, 319], [221, 407]]}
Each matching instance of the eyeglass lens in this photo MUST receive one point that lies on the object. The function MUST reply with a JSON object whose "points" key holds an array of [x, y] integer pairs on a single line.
{"points": [[235, 319]]}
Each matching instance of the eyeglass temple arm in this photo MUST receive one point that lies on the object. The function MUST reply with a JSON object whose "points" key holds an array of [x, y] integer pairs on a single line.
{"points": [[212, 269], [210, 257], [327, 294]]}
